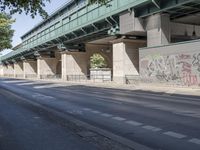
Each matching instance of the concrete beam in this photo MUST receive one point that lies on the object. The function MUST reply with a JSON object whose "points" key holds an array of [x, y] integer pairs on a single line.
{"points": [[184, 30], [158, 30], [129, 24]]}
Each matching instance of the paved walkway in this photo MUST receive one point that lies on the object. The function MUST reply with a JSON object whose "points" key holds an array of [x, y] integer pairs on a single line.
{"points": [[143, 87]]}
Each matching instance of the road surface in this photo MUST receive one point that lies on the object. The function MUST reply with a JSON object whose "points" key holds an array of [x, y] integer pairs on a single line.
{"points": [[159, 121]]}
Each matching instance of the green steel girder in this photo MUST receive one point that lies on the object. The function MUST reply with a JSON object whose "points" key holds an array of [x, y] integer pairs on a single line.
{"points": [[85, 20], [176, 8], [91, 33]]}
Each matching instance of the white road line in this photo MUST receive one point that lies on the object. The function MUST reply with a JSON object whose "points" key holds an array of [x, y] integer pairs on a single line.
{"points": [[95, 111], [174, 134], [106, 115], [87, 109], [152, 128], [48, 86], [41, 96], [29, 83], [118, 118], [134, 123], [15, 81], [195, 141]]}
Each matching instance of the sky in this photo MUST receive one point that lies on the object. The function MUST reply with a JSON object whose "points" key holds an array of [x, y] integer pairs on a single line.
{"points": [[25, 22]]}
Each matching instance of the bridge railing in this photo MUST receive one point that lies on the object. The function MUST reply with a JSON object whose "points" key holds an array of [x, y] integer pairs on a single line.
{"points": [[80, 17]]}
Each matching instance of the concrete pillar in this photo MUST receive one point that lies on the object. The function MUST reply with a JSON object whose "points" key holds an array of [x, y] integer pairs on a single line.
{"points": [[5, 70], [30, 68], [1, 70], [158, 30], [46, 67], [8, 70], [126, 60], [18, 70], [74, 65]]}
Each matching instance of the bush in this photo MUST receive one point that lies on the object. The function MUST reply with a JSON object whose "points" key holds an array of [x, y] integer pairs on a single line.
{"points": [[97, 61]]}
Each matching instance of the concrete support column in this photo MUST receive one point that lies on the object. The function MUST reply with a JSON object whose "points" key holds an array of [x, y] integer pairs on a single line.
{"points": [[158, 30], [74, 65], [18, 70], [5, 70], [8, 70], [30, 68], [46, 67], [125, 60], [1, 70]]}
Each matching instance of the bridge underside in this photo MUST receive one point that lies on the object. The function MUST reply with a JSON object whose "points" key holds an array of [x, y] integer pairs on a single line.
{"points": [[118, 40]]}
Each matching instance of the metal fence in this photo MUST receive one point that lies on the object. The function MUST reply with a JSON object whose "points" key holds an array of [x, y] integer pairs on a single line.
{"points": [[50, 76], [19, 75], [89, 78], [30, 76]]}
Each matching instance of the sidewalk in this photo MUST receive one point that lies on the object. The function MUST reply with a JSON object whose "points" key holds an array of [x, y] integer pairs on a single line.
{"points": [[142, 87]]}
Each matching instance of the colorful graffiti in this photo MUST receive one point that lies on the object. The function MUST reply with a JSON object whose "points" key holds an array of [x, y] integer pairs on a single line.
{"points": [[182, 69]]}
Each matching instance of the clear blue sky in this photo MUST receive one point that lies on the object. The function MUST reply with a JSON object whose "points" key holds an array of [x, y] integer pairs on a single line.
{"points": [[25, 22]]}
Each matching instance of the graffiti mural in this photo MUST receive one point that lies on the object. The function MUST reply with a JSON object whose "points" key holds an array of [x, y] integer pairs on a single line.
{"points": [[182, 69]]}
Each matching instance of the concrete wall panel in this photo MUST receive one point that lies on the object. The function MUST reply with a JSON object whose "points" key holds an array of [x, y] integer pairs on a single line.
{"points": [[30, 68], [46, 67], [177, 64], [18, 69]]}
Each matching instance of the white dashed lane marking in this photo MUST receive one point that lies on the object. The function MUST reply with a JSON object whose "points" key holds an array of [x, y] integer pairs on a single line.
{"points": [[29, 83], [118, 118], [48, 86], [106, 115], [175, 135], [41, 96], [152, 128], [134, 123], [147, 127], [95, 111], [86, 109], [14, 81], [195, 141]]}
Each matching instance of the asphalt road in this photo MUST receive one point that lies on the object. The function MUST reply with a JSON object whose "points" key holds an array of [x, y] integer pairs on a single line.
{"points": [[158, 120]]}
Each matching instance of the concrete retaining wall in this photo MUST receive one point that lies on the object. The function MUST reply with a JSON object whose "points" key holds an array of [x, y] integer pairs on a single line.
{"points": [[177, 64]]}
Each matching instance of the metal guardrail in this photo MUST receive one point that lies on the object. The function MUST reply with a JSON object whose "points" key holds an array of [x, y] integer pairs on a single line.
{"points": [[9, 75], [57, 76], [19, 75], [79, 20], [30, 76]]}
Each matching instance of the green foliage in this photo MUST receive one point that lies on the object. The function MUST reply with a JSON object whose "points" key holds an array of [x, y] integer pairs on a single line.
{"points": [[6, 33], [32, 7], [97, 61]]}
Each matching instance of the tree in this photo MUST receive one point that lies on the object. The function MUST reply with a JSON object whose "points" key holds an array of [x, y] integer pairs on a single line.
{"points": [[97, 61], [32, 7], [6, 33]]}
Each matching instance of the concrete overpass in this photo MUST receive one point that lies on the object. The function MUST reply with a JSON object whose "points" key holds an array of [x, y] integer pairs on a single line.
{"points": [[61, 46]]}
